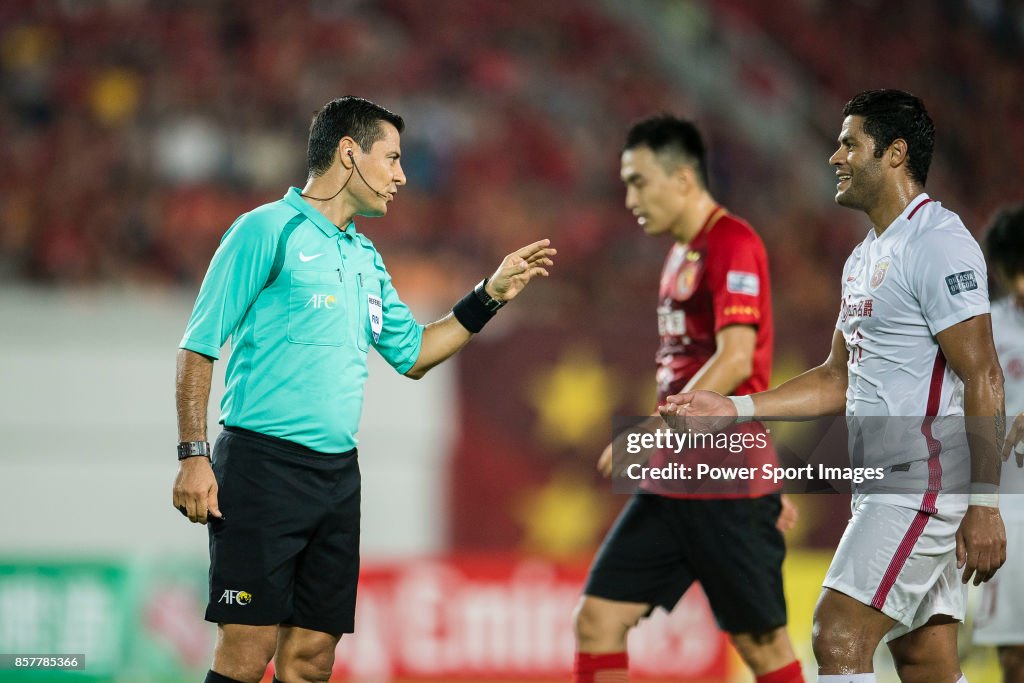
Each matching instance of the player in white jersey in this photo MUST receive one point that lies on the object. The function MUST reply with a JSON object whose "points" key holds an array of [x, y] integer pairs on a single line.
{"points": [[1000, 617], [913, 339]]}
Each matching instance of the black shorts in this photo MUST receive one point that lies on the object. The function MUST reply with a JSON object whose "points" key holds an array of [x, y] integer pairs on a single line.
{"points": [[659, 546], [287, 550]]}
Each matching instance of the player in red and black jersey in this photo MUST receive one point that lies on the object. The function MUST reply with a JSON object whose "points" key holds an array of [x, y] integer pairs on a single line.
{"points": [[715, 325]]}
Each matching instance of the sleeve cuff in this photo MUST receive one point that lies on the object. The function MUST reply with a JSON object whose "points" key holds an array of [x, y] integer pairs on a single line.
{"points": [[200, 347], [957, 317], [406, 366]]}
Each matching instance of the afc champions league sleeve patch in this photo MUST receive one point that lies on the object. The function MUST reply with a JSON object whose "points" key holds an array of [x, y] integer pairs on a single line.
{"points": [[375, 309], [961, 282], [739, 282]]}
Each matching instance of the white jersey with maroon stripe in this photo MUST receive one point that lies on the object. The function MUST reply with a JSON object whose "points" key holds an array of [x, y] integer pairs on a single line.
{"points": [[1008, 332], [925, 273], [998, 620]]}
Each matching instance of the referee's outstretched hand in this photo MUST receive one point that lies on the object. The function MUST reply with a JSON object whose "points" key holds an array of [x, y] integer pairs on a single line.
{"points": [[195, 490], [518, 268]]}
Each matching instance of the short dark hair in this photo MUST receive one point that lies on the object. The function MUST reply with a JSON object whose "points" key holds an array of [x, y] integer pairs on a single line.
{"points": [[678, 137], [353, 116], [1004, 242], [892, 114]]}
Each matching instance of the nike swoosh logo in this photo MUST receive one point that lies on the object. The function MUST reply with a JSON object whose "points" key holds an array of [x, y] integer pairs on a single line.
{"points": [[304, 258]]}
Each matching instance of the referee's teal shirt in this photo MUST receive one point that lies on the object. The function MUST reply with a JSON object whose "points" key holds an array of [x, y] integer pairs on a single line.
{"points": [[299, 344]]}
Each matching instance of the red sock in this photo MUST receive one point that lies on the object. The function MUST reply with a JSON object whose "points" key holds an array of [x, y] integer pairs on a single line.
{"points": [[791, 673], [608, 668]]}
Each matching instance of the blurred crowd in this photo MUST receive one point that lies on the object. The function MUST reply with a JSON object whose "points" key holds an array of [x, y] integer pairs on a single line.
{"points": [[135, 131]]}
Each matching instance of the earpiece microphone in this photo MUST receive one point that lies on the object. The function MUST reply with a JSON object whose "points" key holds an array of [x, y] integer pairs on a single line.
{"points": [[372, 189], [351, 156]]}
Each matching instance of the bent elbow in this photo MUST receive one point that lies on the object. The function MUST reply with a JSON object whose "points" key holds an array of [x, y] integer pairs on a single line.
{"points": [[743, 368]]}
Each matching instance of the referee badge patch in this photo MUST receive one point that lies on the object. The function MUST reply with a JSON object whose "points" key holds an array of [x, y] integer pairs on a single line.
{"points": [[961, 282], [375, 308]]}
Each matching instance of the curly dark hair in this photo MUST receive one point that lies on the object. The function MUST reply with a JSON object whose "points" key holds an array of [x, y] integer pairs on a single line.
{"points": [[892, 114]]}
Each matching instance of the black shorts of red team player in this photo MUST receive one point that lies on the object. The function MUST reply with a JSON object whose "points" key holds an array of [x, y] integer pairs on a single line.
{"points": [[659, 546], [287, 550]]}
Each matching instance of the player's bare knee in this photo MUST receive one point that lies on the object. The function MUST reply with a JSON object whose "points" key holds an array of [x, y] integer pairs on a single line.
{"points": [[764, 650], [837, 643], [305, 656], [600, 621], [766, 639], [243, 652], [314, 669]]}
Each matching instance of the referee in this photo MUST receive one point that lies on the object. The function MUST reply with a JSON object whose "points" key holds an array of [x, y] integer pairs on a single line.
{"points": [[303, 296]]}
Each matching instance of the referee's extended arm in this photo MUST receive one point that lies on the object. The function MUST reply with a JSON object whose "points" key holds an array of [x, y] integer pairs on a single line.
{"points": [[443, 338]]}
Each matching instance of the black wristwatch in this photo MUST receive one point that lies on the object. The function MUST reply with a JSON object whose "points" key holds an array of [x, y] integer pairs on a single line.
{"points": [[192, 449], [486, 299]]}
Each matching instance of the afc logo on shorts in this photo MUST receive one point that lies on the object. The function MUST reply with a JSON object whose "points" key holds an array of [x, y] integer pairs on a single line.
{"points": [[231, 597]]}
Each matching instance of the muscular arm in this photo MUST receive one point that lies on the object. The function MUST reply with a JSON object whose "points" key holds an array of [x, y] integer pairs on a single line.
{"points": [[971, 354], [732, 363], [192, 394], [819, 391]]}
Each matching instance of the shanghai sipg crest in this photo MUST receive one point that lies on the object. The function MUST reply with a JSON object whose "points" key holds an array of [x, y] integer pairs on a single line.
{"points": [[881, 268]]}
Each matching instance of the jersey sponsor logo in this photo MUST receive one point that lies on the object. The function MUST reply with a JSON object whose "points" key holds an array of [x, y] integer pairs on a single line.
{"points": [[671, 323], [961, 282], [318, 301], [856, 309], [738, 282], [307, 259], [881, 268], [231, 597]]}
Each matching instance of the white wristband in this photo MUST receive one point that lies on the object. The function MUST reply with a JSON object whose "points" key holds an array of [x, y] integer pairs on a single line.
{"points": [[744, 408], [983, 495]]}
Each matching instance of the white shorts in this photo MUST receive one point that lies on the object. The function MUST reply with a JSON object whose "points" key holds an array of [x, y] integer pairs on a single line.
{"points": [[1000, 616], [901, 561]]}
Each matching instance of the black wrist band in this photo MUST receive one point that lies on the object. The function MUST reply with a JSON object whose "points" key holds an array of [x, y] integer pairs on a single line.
{"points": [[471, 312], [481, 293], [193, 449]]}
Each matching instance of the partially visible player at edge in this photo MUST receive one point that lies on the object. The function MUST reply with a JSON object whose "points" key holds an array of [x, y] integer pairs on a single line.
{"points": [[924, 347], [999, 620], [715, 324], [303, 295]]}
